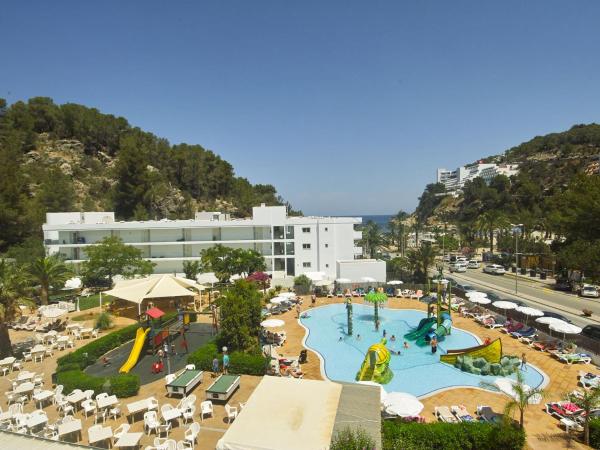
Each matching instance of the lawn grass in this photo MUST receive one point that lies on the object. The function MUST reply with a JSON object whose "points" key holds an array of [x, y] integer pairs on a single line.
{"points": [[93, 300], [86, 316]]}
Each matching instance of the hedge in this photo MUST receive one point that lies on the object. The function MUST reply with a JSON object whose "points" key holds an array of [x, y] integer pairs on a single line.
{"points": [[448, 436], [69, 369], [239, 362], [595, 433]]}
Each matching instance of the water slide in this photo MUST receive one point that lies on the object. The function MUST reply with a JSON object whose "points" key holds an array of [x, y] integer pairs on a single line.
{"points": [[138, 344], [491, 352], [375, 366], [422, 329], [440, 332]]}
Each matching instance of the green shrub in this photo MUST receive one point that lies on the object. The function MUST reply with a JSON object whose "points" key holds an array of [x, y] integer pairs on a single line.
{"points": [[104, 321], [125, 385], [462, 436], [595, 433], [122, 385], [239, 362], [349, 439]]}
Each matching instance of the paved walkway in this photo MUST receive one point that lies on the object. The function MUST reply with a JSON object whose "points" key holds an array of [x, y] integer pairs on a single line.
{"points": [[543, 431]]}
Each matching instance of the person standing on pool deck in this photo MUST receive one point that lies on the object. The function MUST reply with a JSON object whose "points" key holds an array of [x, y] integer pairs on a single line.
{"points": [[215, 366], [433, 344], [225, 363], [523, 362]]}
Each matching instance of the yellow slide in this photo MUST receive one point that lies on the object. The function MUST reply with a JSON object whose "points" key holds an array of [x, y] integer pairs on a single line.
{"points": [[140, 338]]}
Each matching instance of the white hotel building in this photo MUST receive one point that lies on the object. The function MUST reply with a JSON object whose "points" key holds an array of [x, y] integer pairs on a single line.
{"points": [[290, 245]]}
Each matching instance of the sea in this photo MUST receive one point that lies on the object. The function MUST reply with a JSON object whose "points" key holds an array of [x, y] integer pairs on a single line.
{"points": [[380, 219]]}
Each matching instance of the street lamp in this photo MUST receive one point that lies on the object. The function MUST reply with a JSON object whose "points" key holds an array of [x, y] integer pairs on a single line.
{"points": [[516, 229]]}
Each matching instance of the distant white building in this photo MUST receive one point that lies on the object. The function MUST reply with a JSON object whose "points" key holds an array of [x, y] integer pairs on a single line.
{"points": [[290, 245], [454, 180]]}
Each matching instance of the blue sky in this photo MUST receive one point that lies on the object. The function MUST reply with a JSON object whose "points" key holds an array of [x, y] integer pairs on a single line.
{"points": [[346, 107]]}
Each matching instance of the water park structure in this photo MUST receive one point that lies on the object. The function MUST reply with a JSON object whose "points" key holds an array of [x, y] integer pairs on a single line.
{"points": [[375, 366]]}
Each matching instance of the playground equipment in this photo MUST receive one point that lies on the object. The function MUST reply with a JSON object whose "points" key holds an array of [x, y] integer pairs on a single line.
{"points": [[491, 352], [375, 366], [439, 325], [138, 344], [160, 331]]}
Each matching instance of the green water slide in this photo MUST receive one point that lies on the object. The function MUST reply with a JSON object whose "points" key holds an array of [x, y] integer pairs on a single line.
{"points": [[423, 328], [440, 332]]}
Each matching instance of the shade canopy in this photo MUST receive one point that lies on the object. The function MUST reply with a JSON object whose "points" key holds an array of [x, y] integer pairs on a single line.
{"points": [[343, 280], [52, 312], [503, 304], [163, 286], [155, 313], [301, 415], [395, 282], [207, 277], [529, 311], [323, 282], [272, 323], [565, 328], [402, 404], [73, 283], [480, 300], [368, 280]]}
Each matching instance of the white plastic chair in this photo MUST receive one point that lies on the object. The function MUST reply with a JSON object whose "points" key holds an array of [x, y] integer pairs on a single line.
{"points": [[232, 413], [191, 434], [164, 428], [151, 422], [152, 404], [190, 367], [184, 445], [121, 430], [206, 407], [89, 406], [100, 414], [188, 413], [115, 411]]}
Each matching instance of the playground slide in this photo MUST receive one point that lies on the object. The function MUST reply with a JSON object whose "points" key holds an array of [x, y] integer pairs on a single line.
{"points": [[138, 344], [423, 328]]}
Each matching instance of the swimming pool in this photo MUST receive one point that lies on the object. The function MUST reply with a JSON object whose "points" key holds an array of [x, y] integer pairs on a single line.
{"points": [[416, 370]]}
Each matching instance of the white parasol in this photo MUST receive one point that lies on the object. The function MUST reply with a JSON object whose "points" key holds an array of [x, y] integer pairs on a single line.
{"points": [[507, 386], [278, 300], [287, 295], [53, 313], [343, 280], [503, 304], [272, 323], [402, 404], [549, 320], [323, 283], [528, 311], [368, 280], [395, 282], [382, 392], [565, 328], [480, 300], [473, 294], [73, 283]]}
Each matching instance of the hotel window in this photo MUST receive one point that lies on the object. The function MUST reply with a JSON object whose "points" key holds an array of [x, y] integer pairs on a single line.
{"points": [[306, 229], [306, 264], [289, 248], [326, 229], [326, 245], [326, 265], [306, 246]]}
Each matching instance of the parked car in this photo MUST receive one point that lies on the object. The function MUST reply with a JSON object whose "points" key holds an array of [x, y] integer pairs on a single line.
{"points": [[494, 269], [446, 258], [591, 331], [562, 285], [473, 264], [461, 259], [589, 290], [556, 316], [458, 266]]}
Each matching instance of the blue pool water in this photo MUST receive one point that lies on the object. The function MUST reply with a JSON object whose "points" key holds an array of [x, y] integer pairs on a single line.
{"points": [[416, 370]]}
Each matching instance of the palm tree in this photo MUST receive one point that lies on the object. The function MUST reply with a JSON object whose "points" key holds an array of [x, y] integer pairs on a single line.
{"points": [[376, 298], [422, 258], [588, 400], [49, 271], [13, 282], [490, 221], [372, 238], [523, 395]]}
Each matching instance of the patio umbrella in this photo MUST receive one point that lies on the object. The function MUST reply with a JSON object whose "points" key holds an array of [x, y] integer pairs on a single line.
{"points": [[323, 283], [272, 323], [343, 280], [565, 328], [395, 282], [473, 294], [507, 386], [382, 392], [529, 312], [402, 404], [549, 320], [480, 300], [278, 300], [287, 295], [368, 280], [503, 304], [208, 277], [72, 283]]}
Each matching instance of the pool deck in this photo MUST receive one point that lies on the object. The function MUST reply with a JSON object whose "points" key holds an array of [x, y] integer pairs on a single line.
{"points": [[543, 431]]}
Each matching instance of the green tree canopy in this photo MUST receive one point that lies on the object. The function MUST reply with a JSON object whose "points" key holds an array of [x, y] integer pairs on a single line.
{"points": [[240, 314], [13, 292], [226, 261], [112, 257]]}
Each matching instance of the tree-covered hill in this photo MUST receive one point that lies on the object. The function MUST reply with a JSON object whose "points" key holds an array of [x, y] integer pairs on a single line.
{"points": [[74, 158]]}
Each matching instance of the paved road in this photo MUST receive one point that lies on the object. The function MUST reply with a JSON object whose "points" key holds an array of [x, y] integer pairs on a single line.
{"points": [[534, 293]]}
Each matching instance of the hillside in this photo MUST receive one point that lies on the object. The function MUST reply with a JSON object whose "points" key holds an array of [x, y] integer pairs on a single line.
{"points": [[547, 164], [74, 158]]}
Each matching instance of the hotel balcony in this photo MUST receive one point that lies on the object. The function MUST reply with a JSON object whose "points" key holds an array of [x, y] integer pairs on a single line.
{"points": [[357, 235]]}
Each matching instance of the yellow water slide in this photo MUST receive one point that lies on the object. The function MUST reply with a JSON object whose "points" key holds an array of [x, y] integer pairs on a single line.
{"points": [[138, 344]]}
